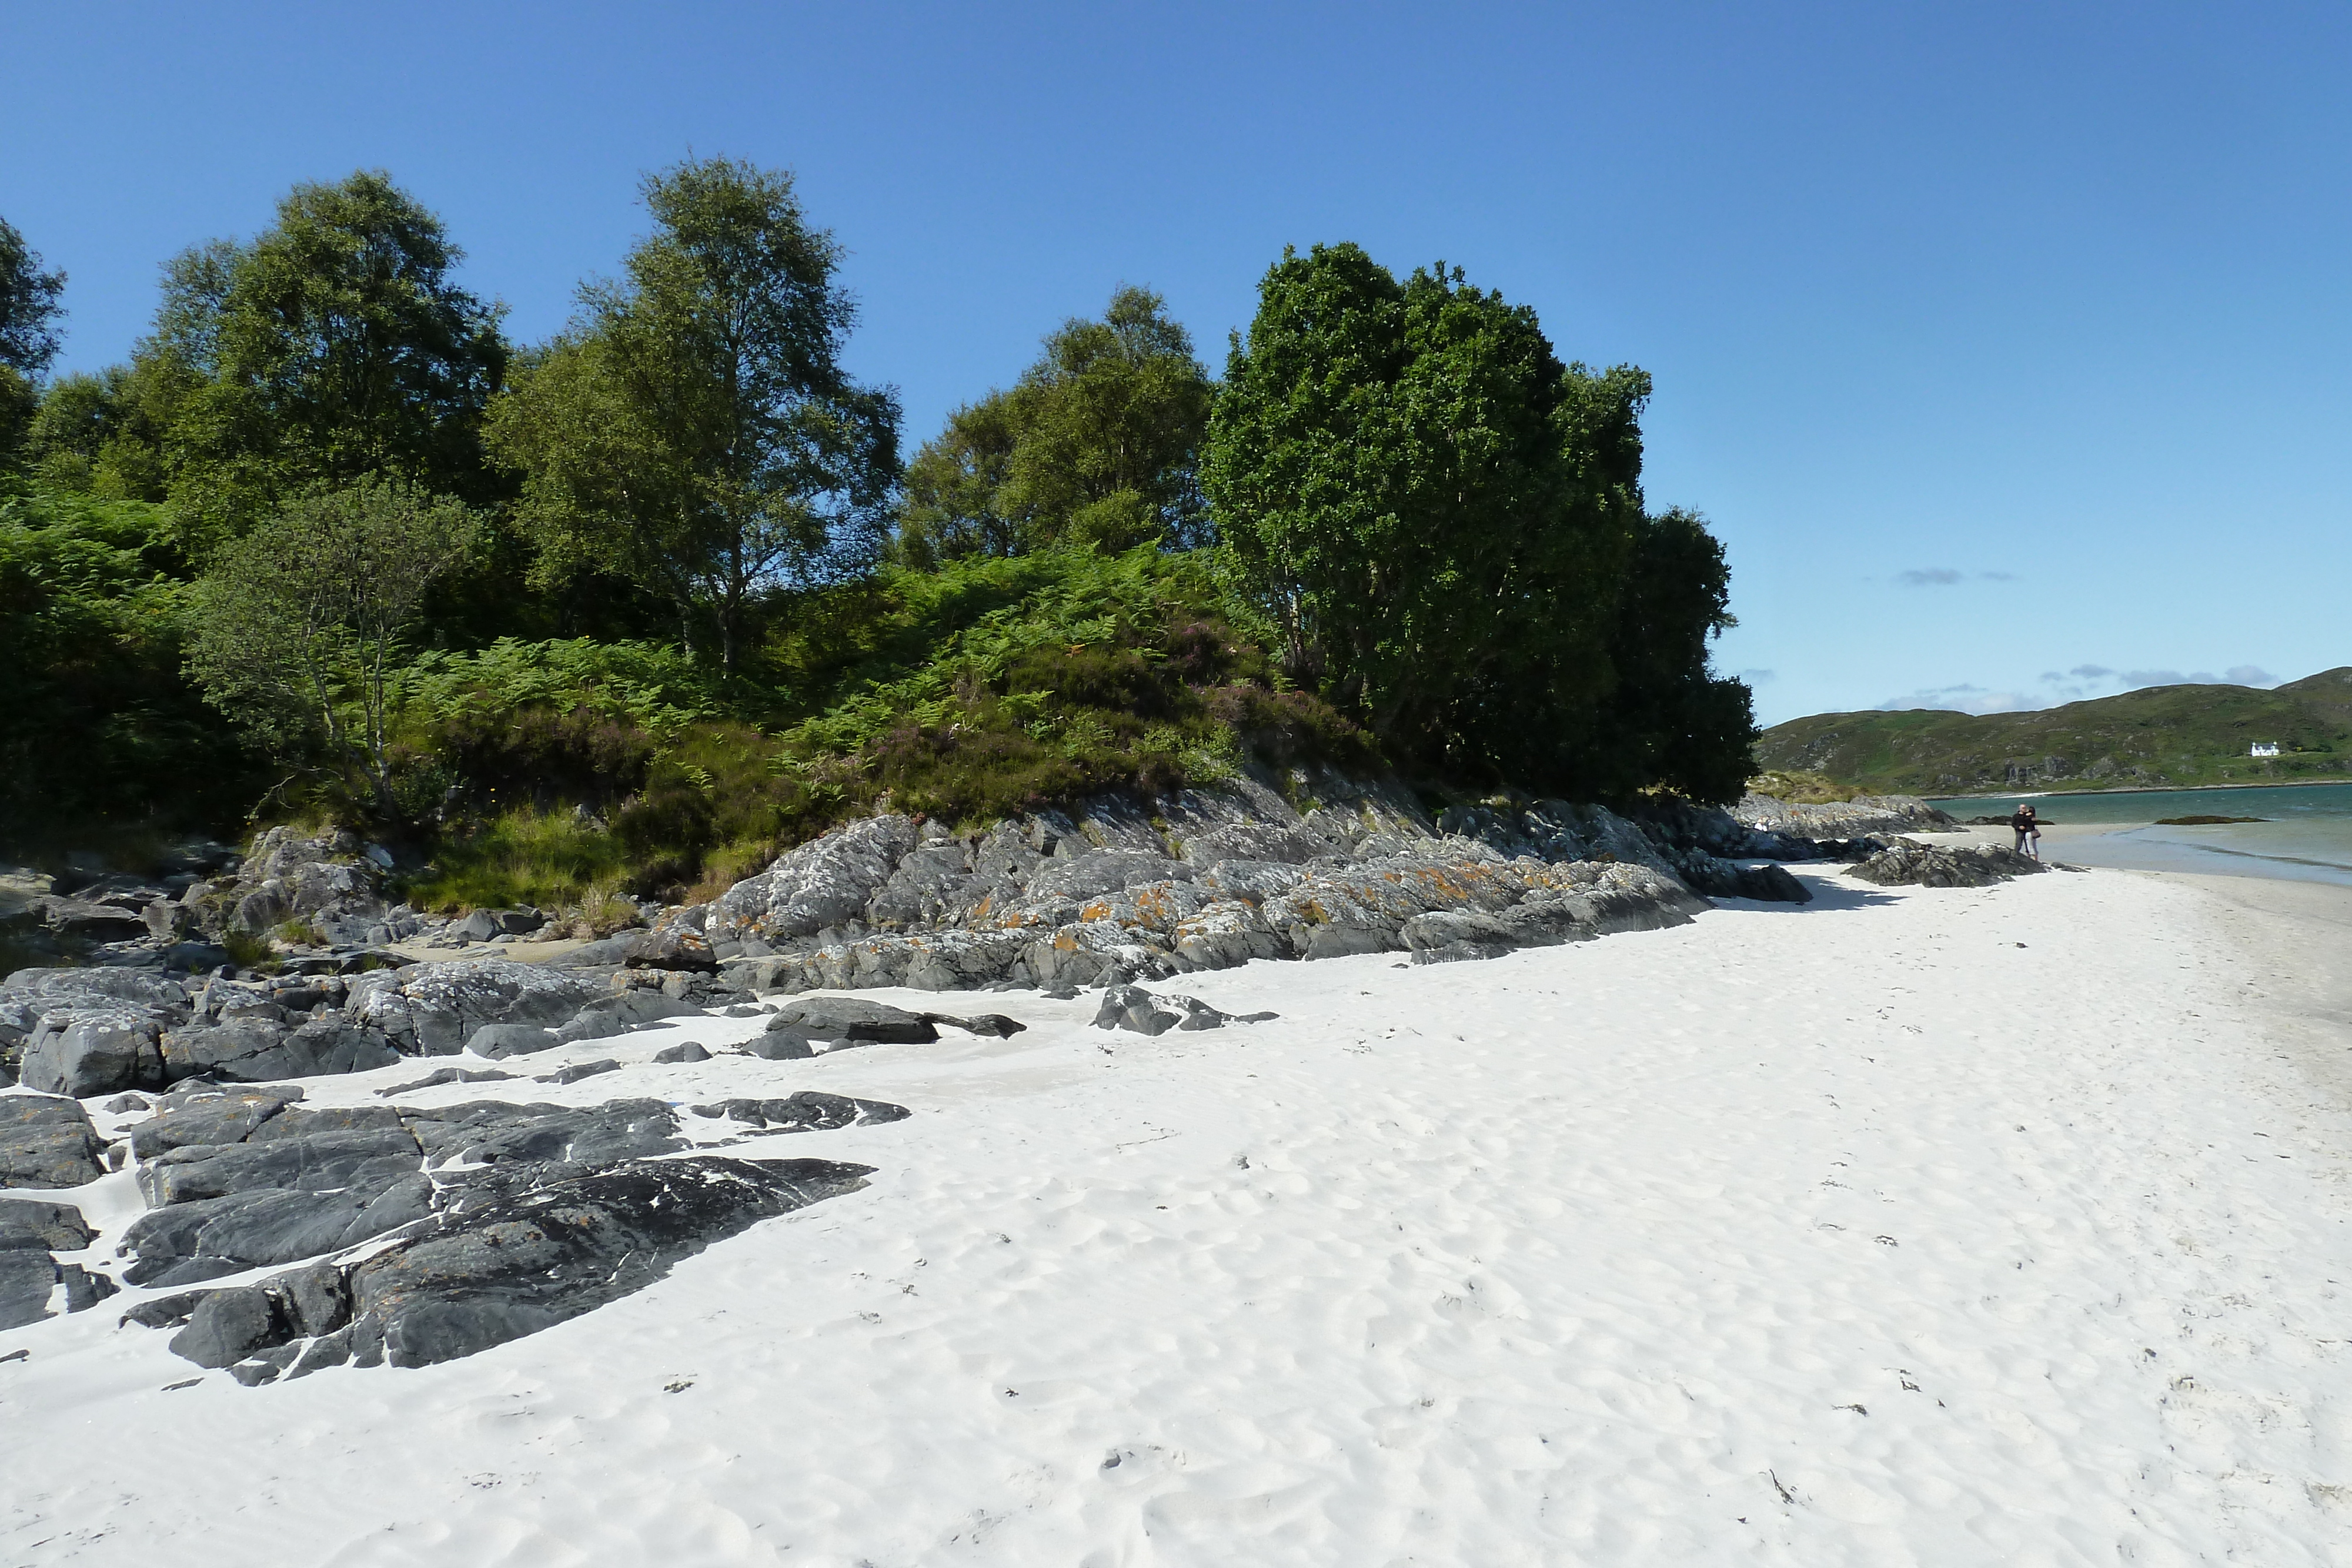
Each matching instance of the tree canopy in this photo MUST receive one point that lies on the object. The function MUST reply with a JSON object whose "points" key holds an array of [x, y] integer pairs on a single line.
{"points": [[1098, 442], [694, 429], [1443, 518], [29, 306], [299, 625]]}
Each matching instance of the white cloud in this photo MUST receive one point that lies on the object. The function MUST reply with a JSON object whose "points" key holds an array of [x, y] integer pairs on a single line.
{"points": [[1963, 698], [1928, 577], [2251, 675]]}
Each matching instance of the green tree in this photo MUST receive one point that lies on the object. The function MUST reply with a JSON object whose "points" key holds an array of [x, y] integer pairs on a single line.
{"points": [[334, 345], [28, 306], [29, 333], [298, 629], [104, 433], [1438, 515], [693, 429], [1669, 720], [1099, 442]]}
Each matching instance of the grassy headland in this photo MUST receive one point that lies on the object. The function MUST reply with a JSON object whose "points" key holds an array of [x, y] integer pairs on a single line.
{"points": [[2160, 738]]}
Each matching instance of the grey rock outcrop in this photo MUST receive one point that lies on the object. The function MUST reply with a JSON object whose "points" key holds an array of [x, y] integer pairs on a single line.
{"points": [[296, 1183], [29, 1233], [1863, 816], [1114, 893], [53, 1226], [502, 1040], [90, 1030], [433, 1009], [1904, 863], [264, 1050], [47, 1142], [328, 880], [27, 1276]]}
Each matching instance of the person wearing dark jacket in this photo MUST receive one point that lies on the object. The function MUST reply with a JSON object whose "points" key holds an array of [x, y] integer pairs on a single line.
{"points": [[2028, 828]]}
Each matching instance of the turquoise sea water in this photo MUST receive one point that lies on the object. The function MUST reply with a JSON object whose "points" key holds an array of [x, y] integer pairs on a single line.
{"points": [[2306, 834]]}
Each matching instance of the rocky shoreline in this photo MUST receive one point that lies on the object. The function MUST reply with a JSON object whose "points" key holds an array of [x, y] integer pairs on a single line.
{"points": [[481, 1221]]}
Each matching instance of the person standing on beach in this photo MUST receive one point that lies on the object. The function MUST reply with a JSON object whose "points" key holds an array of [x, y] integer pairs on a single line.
{"points": [[2028, 828]]}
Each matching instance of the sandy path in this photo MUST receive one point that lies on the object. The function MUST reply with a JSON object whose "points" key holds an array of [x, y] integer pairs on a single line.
{"points": [[1858, 1233]]}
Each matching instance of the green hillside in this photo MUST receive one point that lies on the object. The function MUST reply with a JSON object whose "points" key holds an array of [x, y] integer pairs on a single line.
{"points": [[2177, 736]]}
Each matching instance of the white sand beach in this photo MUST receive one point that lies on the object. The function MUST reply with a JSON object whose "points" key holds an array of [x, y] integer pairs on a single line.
{"points": [[1954, 1226]]}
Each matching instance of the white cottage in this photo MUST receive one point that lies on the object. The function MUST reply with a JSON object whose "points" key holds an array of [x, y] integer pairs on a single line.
{"points": [[2265, 748]]}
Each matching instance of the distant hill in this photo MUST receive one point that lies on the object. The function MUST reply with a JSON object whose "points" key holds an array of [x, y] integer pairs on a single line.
{"points": [[2161, 736]]}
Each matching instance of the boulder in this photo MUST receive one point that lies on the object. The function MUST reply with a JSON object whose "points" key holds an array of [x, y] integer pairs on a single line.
{"points": [[27, 1275], [673, 947], [853, 1019], [47, 1142], [228, 1325], [480, 926], [91, 1051], [1135, 1009], [788, 1045], [433, 1009], [495, 1041], [825, 882], [1905, 863], [54, 1227], [689, 1051]]}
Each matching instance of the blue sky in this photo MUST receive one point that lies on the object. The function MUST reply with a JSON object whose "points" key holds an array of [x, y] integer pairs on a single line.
{"points": [[2006, 347]]}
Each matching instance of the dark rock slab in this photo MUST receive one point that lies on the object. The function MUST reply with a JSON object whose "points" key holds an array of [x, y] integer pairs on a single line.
{"points": [[258, 1050], [509, 1258], [85, 1288], [47, 1142], [689, 1051], [580, 1069], [808, 1111], [203, 1239], [314, 1162], [485, 1133], [439, 1076], [28, 1222], [224, 1116], [506, 1255], [994, 1026], [855, 1019], [27, 1275]]}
